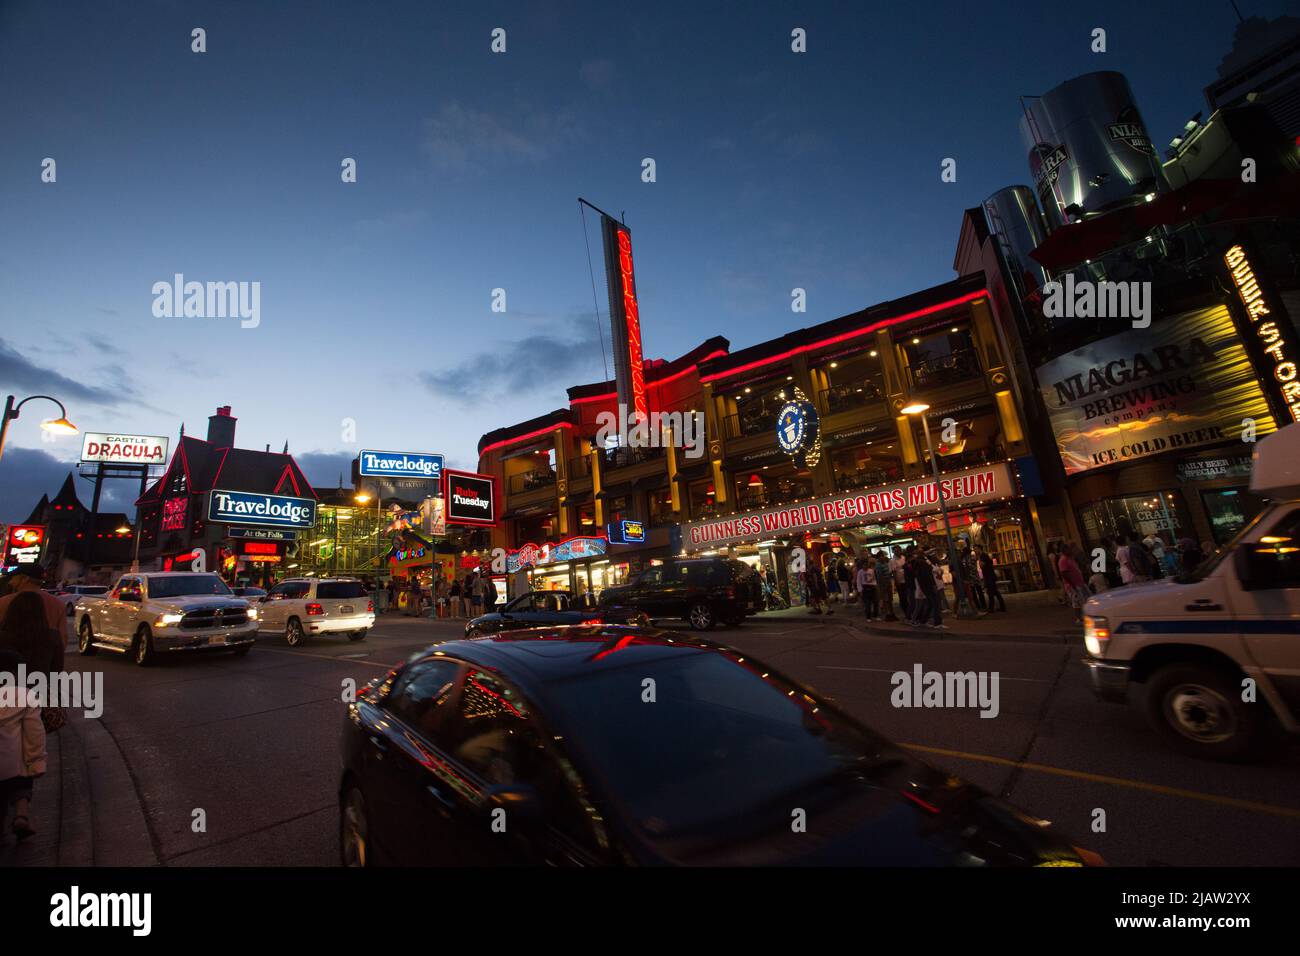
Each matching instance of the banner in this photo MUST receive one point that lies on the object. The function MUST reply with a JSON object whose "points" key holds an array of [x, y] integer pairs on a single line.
{"points": [[1185, 382], [854, 508]]}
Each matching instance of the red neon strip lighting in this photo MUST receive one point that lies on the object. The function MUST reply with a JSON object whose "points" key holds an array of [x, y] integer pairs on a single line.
{"points": [[659, 384], [632, 315], [514, 441], [844, 337]]}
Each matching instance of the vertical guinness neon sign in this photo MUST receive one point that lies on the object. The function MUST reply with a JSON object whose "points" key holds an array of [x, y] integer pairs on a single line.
{"points": [[624, 318]]}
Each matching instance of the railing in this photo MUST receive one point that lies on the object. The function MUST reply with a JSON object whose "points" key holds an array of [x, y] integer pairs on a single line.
{"points": [[758, 422], [839, 398], [579, 467], [531, 481], [959, 366], [623, 457], [774, 494], [866, 478]]}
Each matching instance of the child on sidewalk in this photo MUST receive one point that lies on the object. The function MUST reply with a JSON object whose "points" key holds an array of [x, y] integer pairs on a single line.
{"points": [[22, 749]]}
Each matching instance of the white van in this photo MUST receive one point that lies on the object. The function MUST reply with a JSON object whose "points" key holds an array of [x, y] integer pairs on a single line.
{"points": [[1217, 650]]}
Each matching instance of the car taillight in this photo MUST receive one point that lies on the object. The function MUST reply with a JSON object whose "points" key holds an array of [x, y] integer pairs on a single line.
{"points": [[370, 605], [594, 620], [315, 609]]}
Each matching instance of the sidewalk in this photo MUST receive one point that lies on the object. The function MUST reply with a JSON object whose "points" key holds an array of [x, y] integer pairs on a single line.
{"points": [[1035, 617]]}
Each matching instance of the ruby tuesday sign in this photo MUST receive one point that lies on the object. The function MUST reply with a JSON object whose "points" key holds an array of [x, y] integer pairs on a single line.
{"points": [[960, 489]]}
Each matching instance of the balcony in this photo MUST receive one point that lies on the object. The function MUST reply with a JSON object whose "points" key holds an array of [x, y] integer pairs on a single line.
{"points": [[866, 478], [775, 493], [858, 394], [626, 457], [531, 481], [949, 369]]}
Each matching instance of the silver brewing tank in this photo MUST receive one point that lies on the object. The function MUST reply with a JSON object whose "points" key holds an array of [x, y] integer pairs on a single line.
{"points": [[1016, 224], [1089, 151]]}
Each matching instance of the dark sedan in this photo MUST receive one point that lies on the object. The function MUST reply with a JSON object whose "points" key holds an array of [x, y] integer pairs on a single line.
{"points": [[620, 745], [549, 609]]}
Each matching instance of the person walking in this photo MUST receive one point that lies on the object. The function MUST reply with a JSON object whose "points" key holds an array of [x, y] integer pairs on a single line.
{"points": [[1072, 582], [989, 575], [479, 592], [24, 640], [971, 579], [28, 579], [930, 612], [866, 585], [846, 580], [816, 582], [453, 597], [898, 567], [392, 595], [884, 585]]}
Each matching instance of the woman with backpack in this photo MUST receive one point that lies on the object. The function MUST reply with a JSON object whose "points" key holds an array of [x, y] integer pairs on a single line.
{"points": [[24, 640]]}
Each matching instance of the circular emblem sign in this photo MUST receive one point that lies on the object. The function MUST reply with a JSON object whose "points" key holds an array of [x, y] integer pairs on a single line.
{"points": [[796, 430]]}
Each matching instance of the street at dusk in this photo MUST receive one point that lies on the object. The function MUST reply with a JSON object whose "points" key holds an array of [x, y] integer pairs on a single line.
{"points": [[849, 446]]}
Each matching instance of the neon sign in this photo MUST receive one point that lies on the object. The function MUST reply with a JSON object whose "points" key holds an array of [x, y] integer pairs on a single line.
{"points": [[1272, 339], [174, 513], [23, 544], [535, 555], [632, 314]]}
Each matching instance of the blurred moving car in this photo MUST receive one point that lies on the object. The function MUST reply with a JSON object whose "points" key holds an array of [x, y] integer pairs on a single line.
{"points": [[70, 594], [1192, 643], [157, 613], [619, 745], [549, 609], [302, 606], [701, 591]]}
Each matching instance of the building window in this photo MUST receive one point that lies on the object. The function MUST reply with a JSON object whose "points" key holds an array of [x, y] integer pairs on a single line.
{"points": [[942, 357], [757, 407], [1229, 509], [856, 381], [962, 439], [867, 465]]}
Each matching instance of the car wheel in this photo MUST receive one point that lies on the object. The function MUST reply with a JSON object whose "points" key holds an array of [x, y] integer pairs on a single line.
{"points": [[142, 650], [354, 829], [85, 638], [1199, 711], [700, 616], [293, 632], [357, 635]]}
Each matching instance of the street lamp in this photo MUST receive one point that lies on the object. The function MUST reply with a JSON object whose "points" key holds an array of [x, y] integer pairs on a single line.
{"points": [[58, 426], [963, 607]]}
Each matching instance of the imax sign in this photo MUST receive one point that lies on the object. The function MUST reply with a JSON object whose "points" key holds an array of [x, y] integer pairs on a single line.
{"points": [[401, 464], [276, 511]]}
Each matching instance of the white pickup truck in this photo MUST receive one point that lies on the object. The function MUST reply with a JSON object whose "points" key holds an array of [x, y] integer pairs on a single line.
{"points": [[1217, 651], [149, 614]]}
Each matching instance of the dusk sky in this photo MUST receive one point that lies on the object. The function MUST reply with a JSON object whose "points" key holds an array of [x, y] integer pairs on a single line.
{"points": [[774, 170]]}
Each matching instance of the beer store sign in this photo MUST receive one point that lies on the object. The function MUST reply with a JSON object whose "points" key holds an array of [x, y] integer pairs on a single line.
{"points": [[855, 508], [1184, 383], [275, 511]]}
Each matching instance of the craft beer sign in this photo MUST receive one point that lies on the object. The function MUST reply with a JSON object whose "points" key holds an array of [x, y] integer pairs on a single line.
{"points": [[272, 511], [124, 449], [961, 489]]}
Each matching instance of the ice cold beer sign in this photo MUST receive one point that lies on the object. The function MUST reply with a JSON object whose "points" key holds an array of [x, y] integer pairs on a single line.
{"points": [[124, 449]]}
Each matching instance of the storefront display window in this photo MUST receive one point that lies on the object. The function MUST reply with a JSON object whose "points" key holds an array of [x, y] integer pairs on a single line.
{"points": [[1229, 509], [1156, 512]]}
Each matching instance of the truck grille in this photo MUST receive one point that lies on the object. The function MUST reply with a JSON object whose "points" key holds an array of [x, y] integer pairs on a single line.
{"points": [[214, 617]]}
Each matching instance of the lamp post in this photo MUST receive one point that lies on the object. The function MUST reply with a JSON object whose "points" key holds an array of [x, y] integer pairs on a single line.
{"points": [[59, 426], [963, 607]]}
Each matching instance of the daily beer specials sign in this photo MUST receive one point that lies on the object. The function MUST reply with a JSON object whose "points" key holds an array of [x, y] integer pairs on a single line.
{"points": [[849, 508], [124, 449], [274, 511]]}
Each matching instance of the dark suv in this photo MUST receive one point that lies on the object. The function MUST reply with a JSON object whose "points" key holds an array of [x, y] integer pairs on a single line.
{"points": [[701, 591]]}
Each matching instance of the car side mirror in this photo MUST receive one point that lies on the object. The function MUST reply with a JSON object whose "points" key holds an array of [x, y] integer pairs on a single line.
{"points": [[520, 801]]}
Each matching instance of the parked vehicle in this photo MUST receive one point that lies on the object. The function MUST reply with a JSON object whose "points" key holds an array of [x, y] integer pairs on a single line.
{"points": [[701, 591], [71, 594], [246, 591], [301, 606], [549, 608], [1217, 650], [549, 732], [151, 614]]}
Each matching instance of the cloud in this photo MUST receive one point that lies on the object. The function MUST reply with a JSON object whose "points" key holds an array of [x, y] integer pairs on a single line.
{"points": [[22, 375], [461, 138], [525, 365], [323, 468], [28, 473], [598, 75]]}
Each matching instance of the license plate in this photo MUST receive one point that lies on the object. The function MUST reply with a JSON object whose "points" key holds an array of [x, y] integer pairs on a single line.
{"points": [[345, 609], [219, 639]]}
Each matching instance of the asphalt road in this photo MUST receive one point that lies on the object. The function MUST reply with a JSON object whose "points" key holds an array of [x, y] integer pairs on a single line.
{"points": [[253, 742]]}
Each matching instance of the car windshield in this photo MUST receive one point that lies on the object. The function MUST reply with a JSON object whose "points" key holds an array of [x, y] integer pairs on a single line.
{"points": [[94, 589], [723, 745], [182, 585], [339, 589]]}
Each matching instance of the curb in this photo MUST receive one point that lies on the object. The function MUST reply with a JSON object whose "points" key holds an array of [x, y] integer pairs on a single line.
{"points": [[119, 832]]}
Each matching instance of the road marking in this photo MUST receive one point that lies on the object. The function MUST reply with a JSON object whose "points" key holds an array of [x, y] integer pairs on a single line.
{"points": [[894, 670], [323, 657], [1115, 781]]}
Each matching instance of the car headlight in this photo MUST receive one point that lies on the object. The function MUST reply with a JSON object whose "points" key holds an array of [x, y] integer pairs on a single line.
{"points": [[1096, 635], [252, 614], [166, 620]]}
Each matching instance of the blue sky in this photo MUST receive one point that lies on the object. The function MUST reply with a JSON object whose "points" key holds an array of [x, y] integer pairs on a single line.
{"points": [[774, 170]]}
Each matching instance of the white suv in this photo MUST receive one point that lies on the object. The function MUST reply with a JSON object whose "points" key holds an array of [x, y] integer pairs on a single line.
{"points": [[302, 606]]}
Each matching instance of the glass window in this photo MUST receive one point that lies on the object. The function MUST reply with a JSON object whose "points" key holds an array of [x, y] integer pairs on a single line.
{"points": [[186, 584], [1276, 558], [941, 357], [492, 734], [520, 604], [1229, 510], [339, 589], [420, 695]]}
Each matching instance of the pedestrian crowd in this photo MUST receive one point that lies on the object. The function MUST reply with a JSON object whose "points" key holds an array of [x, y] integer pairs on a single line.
{"points": [[463, 596], [1123, 559]]}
